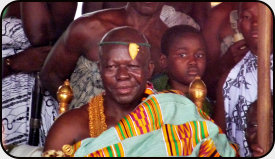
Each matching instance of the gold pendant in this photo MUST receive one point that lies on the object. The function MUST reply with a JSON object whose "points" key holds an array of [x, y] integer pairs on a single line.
{"points": [[133, 50]]}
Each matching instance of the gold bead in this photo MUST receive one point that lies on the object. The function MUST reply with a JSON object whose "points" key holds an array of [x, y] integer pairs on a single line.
{"points": [[67, 149]]}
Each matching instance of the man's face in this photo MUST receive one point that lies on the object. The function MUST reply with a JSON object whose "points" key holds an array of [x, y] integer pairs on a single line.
{"points": [[124, 79], [147, 8], [248, 24], [186, 58]]}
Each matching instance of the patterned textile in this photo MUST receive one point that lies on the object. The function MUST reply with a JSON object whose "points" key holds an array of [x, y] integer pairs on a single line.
{"points": [[17, 91], [85, 81], [171, 17], [164, 124], [16, 88], [239, 91], [161, 83], [49, 112]]}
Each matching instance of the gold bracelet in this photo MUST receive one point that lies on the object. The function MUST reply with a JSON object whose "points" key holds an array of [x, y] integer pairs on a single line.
{"points": [[53, 153]]}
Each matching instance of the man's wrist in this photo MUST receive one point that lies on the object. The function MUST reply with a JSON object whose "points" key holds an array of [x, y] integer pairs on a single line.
{"points": [[8, 64]]}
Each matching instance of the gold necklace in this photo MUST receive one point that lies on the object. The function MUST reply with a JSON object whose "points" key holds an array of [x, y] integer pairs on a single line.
{"points": [[97, 120]]}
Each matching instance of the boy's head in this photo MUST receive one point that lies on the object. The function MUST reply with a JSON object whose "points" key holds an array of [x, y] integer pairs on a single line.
{"points": [[185, 52], [252, 128], [248, 24]]}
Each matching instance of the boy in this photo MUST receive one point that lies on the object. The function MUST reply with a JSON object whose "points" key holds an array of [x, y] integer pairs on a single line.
{"points": [[184, 54]]}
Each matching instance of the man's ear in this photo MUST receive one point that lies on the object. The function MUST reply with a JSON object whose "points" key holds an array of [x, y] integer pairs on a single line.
{"points": [[163, 62]]}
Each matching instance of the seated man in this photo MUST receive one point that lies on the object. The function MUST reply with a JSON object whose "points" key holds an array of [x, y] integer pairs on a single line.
{"points": [[185, 56], [124, 80], [125, 67]]}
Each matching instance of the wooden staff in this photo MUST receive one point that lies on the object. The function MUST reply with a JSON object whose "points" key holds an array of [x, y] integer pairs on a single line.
{"points": [[264, 94]]}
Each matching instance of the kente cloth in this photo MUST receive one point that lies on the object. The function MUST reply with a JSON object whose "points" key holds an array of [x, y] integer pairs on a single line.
{"points": [[148, 91], [161, 83], [17, 90], [85, 81], [165, 124], [239, 91], [171, 17]]}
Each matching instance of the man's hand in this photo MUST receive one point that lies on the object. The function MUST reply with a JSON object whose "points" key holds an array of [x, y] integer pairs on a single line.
{"points": [[233, 55]]}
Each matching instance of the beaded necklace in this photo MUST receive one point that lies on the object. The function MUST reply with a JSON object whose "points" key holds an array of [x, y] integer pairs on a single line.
{"points": [[97, 120]]}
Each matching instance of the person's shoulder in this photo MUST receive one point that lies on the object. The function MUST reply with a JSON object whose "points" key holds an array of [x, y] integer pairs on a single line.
{"points": [[97, 20], [74, 116], [104, 15]]}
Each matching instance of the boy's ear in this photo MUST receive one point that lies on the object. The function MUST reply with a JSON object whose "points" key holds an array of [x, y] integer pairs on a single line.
{"points": [[163, 62], [151, 69]]}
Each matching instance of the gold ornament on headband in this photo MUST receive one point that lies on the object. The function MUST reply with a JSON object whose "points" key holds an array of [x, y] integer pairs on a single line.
{"points": [[133, 47], [133, 50]]}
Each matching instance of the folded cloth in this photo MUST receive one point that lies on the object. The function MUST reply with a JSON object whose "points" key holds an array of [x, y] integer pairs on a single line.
{"points": [[26, 151], [165, 124]]}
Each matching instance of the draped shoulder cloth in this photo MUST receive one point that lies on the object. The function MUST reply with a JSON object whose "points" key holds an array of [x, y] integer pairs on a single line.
{"points": [[165, 124]]}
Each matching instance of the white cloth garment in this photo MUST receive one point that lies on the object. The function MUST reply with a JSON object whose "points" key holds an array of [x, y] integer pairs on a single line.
{"points": [[171, 17], [17, 91], [239, 91]]}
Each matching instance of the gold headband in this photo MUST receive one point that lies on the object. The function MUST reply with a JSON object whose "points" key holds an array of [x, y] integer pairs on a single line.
{"points": [[133, 47]]}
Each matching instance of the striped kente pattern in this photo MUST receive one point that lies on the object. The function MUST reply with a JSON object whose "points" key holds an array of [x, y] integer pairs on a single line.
{"points": [[115, 150], [205, 116], [208, 149], [180, 140], [236, 149], [76, 146], [146, 118]]}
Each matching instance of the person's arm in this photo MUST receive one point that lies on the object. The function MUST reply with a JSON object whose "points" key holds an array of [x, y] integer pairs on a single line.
{"points": [[62, 14], [69, 128], [200, 11], [37, 22], [214, 71], [211, 34], [219, 112], [49, 21], [61, 61], [28, 61]]}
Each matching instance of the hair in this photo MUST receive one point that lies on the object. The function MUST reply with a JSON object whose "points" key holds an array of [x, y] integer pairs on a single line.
{"points": [[174, 32]]}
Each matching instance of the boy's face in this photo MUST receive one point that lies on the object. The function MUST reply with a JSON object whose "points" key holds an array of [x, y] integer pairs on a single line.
{"points": [[248, 24], [186, 58]]}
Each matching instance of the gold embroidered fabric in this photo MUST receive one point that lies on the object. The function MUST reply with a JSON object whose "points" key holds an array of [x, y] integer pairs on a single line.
{"points": [[97, 123]]}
